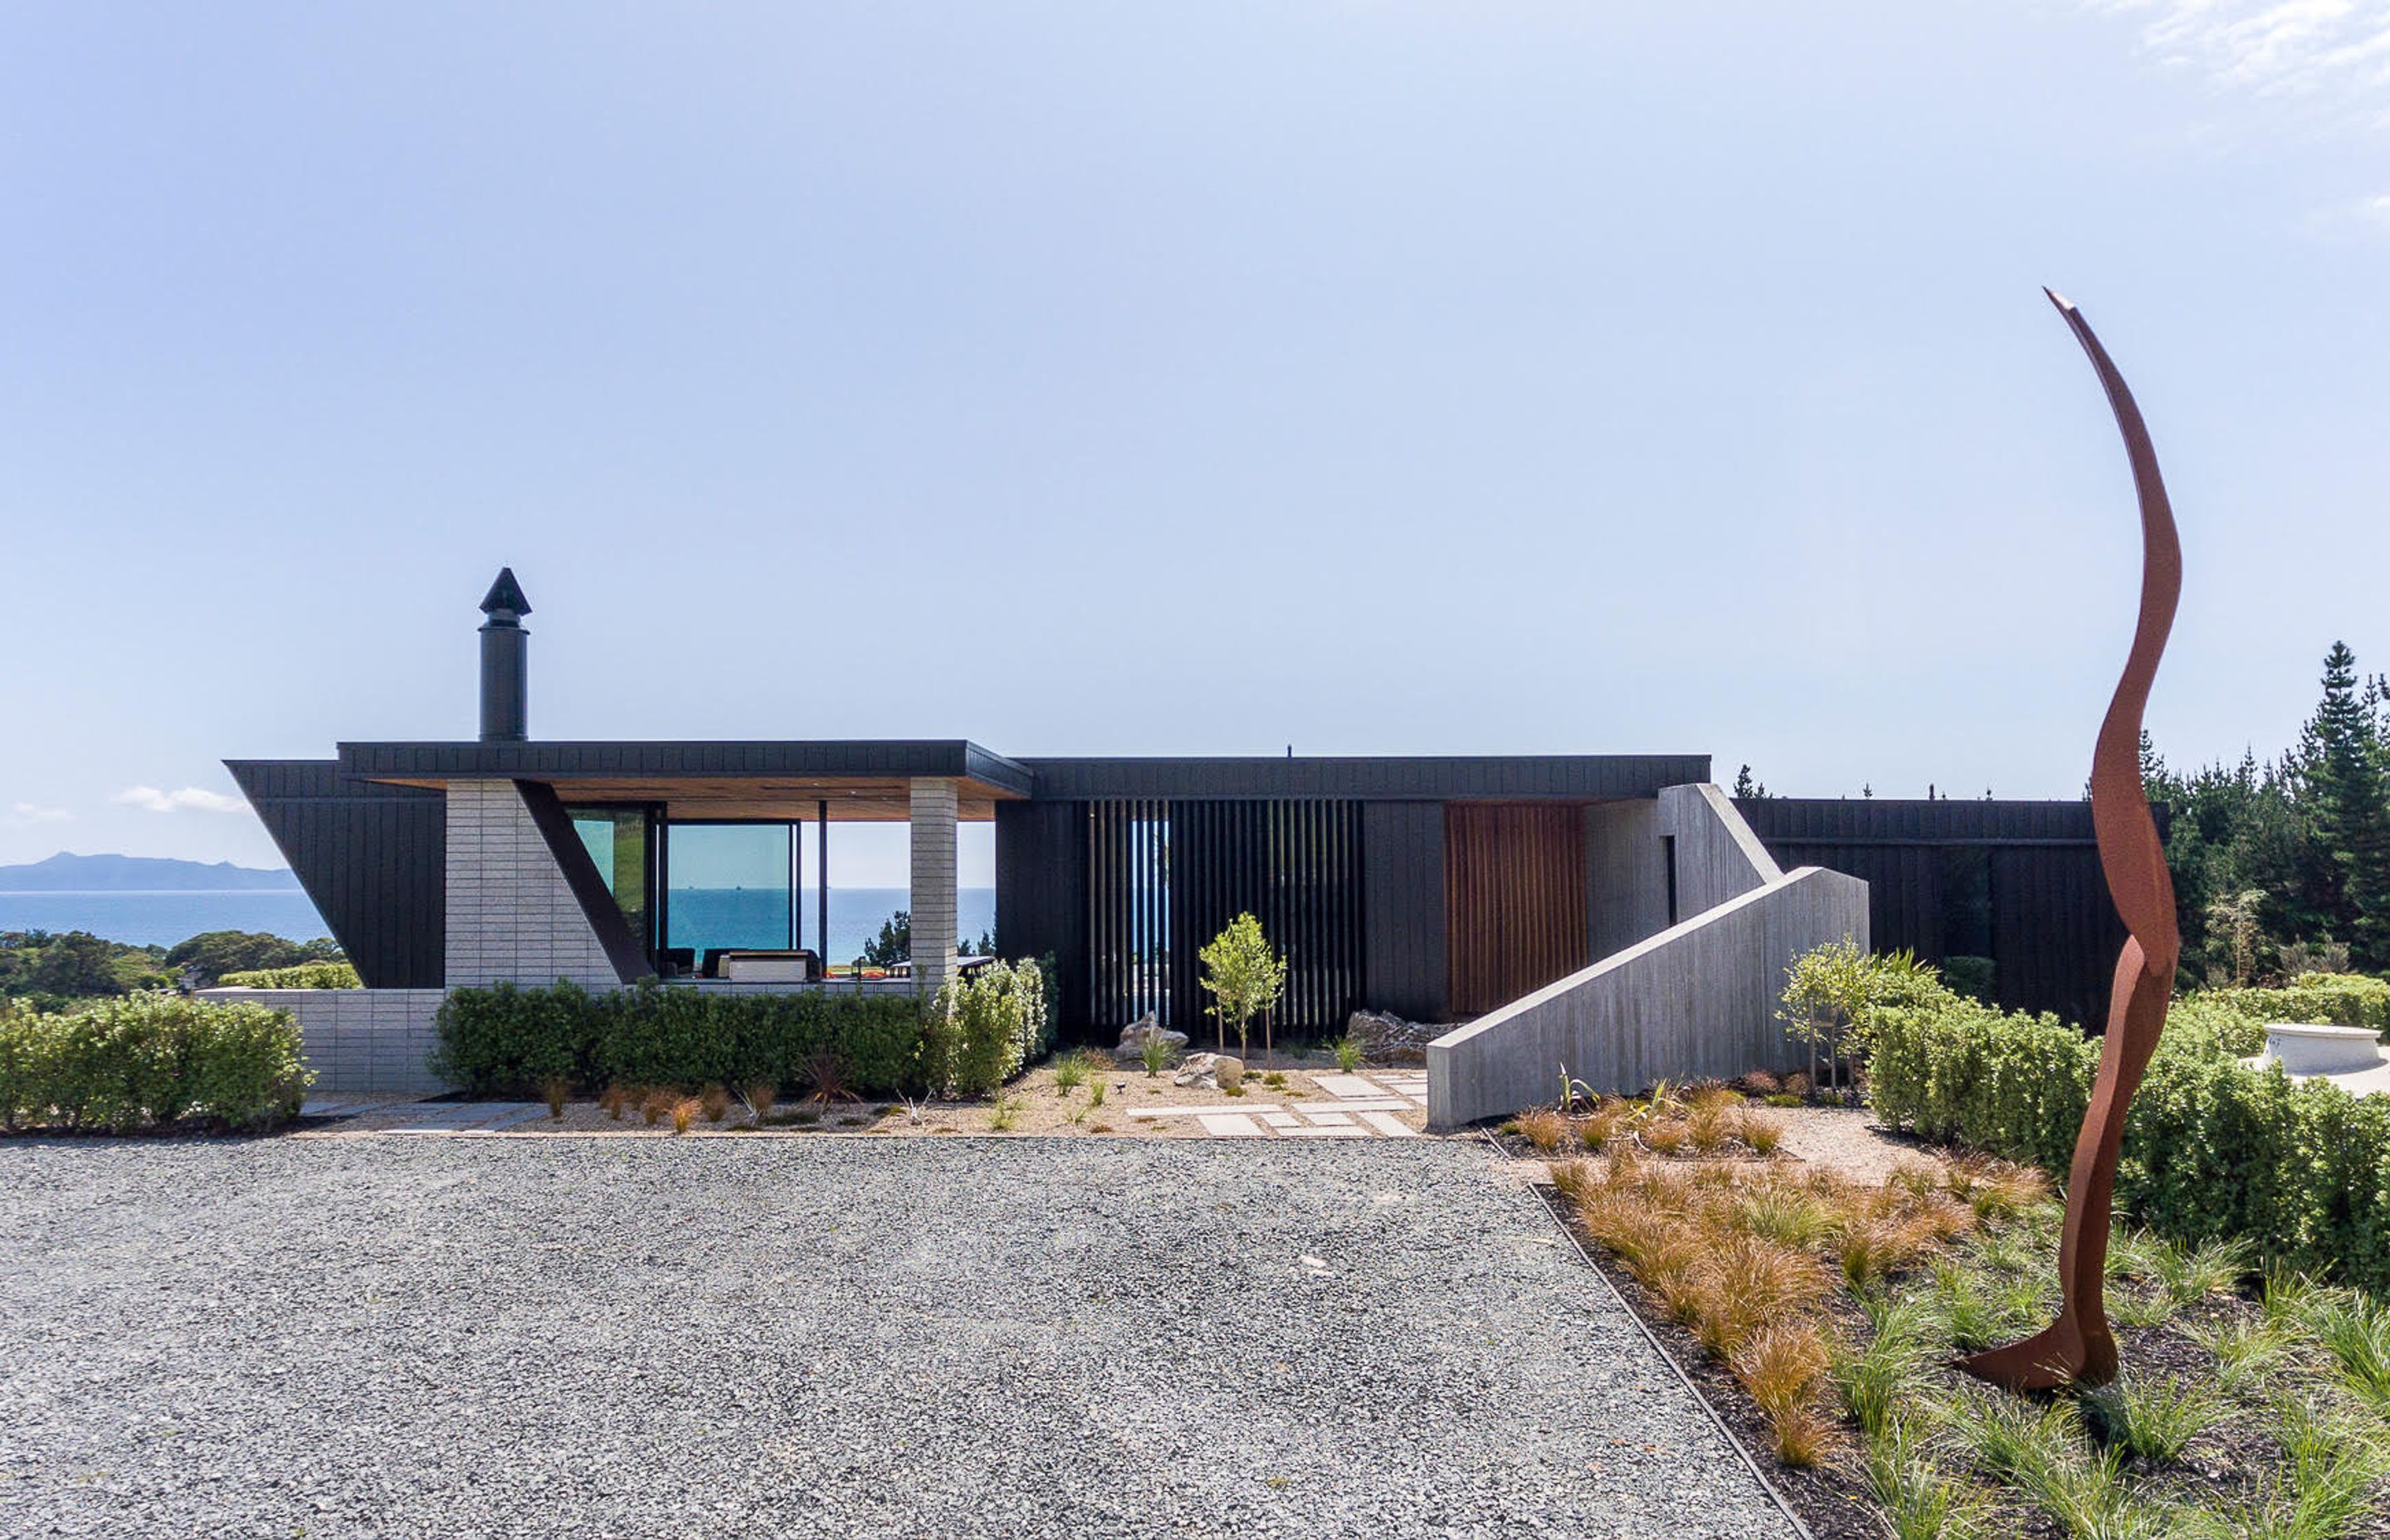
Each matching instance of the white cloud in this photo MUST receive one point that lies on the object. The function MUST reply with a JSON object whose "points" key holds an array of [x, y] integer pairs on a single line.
{"points": [[34, 813], [183, 799], [2337, 51]]}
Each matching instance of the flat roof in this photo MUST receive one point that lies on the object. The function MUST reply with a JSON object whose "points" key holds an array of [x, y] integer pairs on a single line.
{"points": [[866, 778]]}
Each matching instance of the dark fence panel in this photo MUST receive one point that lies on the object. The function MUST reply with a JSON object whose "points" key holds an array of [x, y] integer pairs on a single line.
{"points": [[1165, 876], [1402, 894], [2018, 882]]}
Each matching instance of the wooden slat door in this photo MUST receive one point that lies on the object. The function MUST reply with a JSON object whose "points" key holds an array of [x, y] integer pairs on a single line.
{"points": [[1514, 899]]}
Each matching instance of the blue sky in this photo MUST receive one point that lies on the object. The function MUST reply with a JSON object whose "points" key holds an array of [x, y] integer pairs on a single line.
{"points": [[1142, 378]]}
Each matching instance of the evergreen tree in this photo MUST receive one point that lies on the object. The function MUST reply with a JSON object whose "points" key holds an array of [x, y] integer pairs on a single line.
{"points": [[2341, 759]]}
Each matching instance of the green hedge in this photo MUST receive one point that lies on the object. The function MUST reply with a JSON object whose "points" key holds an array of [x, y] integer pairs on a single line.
{"points": [[507, 1041], [2212, 1148], [2343, 999], [154, 1061], [312, 975]]}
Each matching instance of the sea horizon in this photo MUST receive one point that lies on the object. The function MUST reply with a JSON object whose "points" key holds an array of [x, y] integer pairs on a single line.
{"points": [[751, 916]]}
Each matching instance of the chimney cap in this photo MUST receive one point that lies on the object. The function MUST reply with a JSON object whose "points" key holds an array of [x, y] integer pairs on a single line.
{"points": [[506, 595]]}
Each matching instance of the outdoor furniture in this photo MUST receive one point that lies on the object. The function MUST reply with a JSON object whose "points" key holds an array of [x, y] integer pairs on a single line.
{"points": [[753, 967]]}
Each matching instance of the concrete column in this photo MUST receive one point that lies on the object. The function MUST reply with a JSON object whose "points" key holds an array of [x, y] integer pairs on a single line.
{"points": [[935, 801]]}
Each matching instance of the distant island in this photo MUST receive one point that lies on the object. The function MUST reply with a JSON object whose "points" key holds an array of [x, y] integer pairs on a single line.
{"points": [[68, 873]]}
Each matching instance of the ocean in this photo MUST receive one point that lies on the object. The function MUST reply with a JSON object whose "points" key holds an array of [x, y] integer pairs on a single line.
{"points": [[163, 919], [701, 916]]}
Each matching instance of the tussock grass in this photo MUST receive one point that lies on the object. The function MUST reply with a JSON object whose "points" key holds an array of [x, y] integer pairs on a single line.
{"points": [[685, 1113], [613, 1099], [655, 1106], [1546, 1128], [556, 1091], [759, 1096], [2152, 1420], [715, 1101]]}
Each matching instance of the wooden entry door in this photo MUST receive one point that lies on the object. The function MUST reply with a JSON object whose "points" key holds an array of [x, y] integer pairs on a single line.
{"points": [[1514, 899]]}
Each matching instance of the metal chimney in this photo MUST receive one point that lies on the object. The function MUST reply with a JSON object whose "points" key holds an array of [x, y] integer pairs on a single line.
{"points": [[504, 673]]}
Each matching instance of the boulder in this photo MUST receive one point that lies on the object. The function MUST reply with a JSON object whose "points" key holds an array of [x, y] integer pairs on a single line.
{"points": [[1212, 1070], [1386, 1038], [1139, 1032]]}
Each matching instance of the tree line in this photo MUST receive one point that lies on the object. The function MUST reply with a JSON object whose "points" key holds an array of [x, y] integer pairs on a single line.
{"points": [[2283, 867]]}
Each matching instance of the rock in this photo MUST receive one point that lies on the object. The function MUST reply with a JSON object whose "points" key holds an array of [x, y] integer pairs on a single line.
{"points": [[1386, 1038], [1212, 1070], [1136, 1034]]}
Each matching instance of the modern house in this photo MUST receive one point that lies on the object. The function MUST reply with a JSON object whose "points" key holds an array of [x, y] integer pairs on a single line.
{"points": [[1615, 913]]}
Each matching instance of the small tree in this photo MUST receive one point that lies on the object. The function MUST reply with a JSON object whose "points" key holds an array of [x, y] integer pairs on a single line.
{"points": [[1243, 974], [1826, 990], [2233, 921], [894, 945]]}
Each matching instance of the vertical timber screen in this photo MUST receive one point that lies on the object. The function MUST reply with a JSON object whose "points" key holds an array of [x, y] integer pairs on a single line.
{"points": [[1167, 875]]}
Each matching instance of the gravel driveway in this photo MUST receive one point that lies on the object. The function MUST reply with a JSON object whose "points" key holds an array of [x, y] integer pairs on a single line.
{"points": [[420, 1336]]}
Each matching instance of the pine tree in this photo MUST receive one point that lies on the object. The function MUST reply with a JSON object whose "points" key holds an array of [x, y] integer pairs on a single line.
{"points": [[2341, 759]]}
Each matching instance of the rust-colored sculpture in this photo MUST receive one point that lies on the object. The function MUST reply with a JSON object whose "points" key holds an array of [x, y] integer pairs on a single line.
{"points": [[2078, 1347]]}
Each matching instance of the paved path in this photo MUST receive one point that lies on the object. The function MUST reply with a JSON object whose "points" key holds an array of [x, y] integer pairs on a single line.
{"points": [[960, 1336], [1358, 1108]]}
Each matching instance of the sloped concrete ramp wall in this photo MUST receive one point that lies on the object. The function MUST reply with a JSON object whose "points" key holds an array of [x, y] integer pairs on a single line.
{"points": [[1698, 1000]]}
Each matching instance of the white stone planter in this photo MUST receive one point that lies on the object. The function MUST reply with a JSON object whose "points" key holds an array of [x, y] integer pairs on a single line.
{"points": [[2312, 1048]]}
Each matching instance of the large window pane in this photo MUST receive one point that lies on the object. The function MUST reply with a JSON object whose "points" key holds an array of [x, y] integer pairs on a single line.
{"points": [[729, 887], [616, 839]]}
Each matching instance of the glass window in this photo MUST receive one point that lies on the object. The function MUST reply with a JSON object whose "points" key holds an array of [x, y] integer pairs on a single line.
{"points": [[732, 886], [618, 839]]}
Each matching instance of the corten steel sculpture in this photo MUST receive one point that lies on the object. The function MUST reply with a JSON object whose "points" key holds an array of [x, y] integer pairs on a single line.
{"points": [[2078, 1347]]}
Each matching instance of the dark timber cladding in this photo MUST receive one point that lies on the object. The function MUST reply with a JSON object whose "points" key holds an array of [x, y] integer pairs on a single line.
{"points": [[2017, 883], [372, 858], [1514, 893]]}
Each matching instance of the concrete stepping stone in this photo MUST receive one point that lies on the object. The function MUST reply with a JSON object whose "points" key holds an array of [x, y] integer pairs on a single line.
{"points": [[1349, 1086], [1232, 1125], [1281, 1120], [1324, 1118], [1200, 1112], [1390, 1125]]}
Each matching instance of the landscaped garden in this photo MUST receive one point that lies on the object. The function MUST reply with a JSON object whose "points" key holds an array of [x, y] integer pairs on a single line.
{"points": [[1820, 1314]]}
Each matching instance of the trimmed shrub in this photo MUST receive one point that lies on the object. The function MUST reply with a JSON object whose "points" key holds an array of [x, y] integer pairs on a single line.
{"points": [[152, 1060], [313, 975], [984, 1029], [505, 1040], [2213, 1149]]}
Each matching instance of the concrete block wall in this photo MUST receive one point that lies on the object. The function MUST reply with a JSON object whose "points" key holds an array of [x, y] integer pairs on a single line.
{"points": [[936, 802], [1625, 873], [511, 915], [359, 1041], [1697, 1000]]}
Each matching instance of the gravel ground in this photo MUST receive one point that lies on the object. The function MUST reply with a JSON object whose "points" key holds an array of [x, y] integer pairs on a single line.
{"points": [[416, 1336], [1849, 1141]]}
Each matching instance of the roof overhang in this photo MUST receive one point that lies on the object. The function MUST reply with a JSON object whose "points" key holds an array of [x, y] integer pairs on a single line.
{"points": [[860, 781]]}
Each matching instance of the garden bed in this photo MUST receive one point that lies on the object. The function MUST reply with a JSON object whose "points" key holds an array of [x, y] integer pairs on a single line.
{"points": [[1823, 1340], [1056, 1098]]}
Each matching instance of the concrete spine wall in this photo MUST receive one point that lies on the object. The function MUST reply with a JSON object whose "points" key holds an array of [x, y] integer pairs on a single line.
{"points": [[511, 915], [1718, 857], [1625, 873], [1698, 999]]}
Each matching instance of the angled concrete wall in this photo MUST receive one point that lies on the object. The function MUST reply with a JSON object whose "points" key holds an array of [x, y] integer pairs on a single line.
{"points": [[1697, 1001], [1691, 1001]]}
